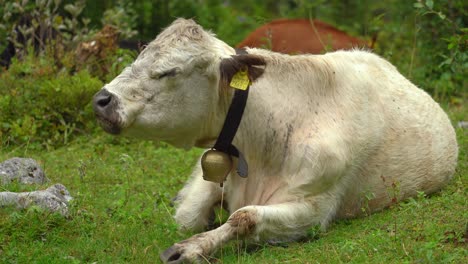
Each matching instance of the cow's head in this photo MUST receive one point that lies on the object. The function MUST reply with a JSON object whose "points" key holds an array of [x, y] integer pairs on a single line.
{"points": [[172, 90]]}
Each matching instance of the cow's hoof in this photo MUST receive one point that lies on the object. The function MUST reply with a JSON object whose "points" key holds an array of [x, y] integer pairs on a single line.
{"points": [[178, 254], [173, 255]]}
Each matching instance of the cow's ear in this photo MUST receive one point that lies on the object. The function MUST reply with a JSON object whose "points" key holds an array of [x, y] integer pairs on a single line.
{"points": [[253, 64]]}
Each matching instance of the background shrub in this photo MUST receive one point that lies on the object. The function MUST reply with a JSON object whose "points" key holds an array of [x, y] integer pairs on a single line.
{"points": [[45, 94], [42, 105]]}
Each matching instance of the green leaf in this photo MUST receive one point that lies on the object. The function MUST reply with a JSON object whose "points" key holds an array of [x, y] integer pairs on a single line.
{"points": [[430, 4], [441, 15], [451, 45], [418, 5]]}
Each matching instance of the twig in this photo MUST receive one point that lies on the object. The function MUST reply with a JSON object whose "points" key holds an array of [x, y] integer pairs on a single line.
{"points": [[413, 49], [316, 32]]}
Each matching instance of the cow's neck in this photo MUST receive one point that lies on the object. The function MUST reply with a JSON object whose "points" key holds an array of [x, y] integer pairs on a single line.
{"points": [[279, 102], [265, 134]]}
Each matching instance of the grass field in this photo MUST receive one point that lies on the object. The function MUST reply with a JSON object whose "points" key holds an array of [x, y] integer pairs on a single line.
{"points": [[121, 213]]}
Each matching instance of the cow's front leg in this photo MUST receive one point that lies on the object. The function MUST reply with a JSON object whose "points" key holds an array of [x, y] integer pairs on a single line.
{"points": [[195, 202], [280, 222]]}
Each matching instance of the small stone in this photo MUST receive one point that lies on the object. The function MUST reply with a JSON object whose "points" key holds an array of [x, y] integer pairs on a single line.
{"points": [[463, 124], [24, 170]]}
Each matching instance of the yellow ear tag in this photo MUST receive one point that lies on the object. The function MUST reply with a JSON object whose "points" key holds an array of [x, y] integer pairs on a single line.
{"points": [[240, 80]]}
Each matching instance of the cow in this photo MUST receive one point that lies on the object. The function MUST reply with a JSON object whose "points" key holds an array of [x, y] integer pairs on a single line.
{"points": [[318, 138], [297, 36]]}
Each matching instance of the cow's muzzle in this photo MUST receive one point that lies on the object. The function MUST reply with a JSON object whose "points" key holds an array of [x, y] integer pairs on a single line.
{"points": [[105, 106]]}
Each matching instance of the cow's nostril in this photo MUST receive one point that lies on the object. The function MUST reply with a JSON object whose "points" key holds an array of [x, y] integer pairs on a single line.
{"points": [[102, 98], [103, 101]]}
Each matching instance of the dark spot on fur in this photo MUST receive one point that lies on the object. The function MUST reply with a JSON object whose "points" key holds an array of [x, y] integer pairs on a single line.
{"points": [[289, 131], [269, 136]]}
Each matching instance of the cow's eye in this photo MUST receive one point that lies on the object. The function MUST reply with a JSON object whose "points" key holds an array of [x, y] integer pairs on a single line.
{"points": [[168, 73]]}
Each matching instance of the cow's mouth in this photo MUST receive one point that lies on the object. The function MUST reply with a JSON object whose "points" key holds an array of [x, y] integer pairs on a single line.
{"points": [[109, 126]]}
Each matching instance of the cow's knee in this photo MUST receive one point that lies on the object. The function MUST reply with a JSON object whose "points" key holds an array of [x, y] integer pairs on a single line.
{"points": [[244, 221]]}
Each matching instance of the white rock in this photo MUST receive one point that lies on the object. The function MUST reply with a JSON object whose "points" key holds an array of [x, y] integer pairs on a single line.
{"points": [[24, 170], [54, 198]]}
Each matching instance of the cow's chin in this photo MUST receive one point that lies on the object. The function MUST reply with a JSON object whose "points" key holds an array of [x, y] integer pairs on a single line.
{"points": [[109, 126]]}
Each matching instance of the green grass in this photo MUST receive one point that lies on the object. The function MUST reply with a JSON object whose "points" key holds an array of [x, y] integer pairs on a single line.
{"points": [[121, 213]]}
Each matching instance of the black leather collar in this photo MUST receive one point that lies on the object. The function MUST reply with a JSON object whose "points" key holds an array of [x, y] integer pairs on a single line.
{"points": [[231, 124]]}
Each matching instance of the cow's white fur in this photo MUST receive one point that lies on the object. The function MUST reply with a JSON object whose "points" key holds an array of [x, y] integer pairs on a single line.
{"points": [[324, 135]]}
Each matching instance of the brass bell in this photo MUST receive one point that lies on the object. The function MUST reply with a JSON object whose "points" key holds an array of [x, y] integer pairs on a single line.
{"points": [[216, 166]]}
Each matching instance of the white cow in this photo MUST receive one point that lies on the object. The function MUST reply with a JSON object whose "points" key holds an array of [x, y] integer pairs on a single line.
{"points": [[323, 135]]}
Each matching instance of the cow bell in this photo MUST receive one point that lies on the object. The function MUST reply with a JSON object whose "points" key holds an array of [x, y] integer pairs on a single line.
{"points": [[216, 166]]}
